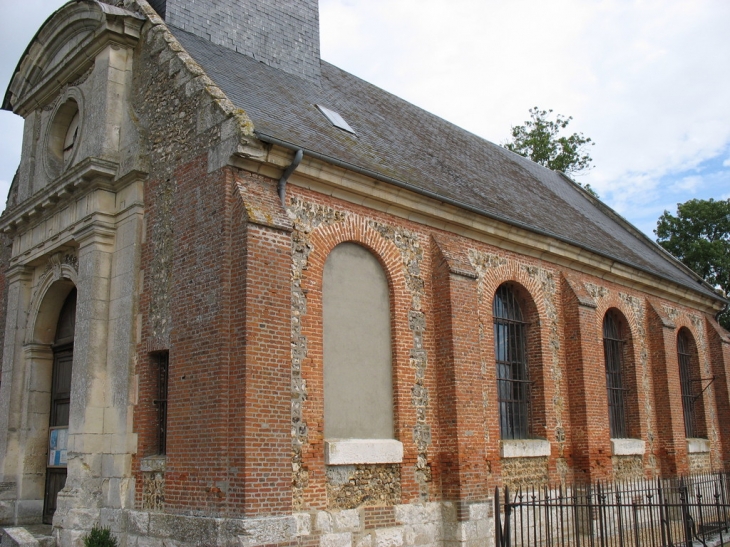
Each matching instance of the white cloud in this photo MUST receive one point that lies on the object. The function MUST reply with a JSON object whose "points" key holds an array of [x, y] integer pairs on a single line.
{"points": [[687, 184]]}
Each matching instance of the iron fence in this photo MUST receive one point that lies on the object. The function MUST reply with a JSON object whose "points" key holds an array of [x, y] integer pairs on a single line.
{"points": [[684, 511]]}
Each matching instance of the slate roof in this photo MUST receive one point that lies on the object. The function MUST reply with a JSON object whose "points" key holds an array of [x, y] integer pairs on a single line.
{"points": [[397, 140]]}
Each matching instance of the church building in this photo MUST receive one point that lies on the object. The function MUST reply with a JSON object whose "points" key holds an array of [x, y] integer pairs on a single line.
{"points": [[250, 299]]}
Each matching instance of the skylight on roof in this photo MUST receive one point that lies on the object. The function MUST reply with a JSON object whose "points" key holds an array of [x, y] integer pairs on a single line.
{"points": [[335, 119]]}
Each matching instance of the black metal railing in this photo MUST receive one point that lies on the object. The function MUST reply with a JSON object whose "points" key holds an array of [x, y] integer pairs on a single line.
{"points": [[684, 511]]}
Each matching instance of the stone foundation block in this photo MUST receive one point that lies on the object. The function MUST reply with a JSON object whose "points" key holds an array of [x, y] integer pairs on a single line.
{"points": [[138, 523], [417, 514], [18, 537], [479, 511], [114, 519], [7, 512], [347, 520], [422, 534], [365, 540], [389, 537], [29, 511], [336, 540], [460, 531], [263, 531], [78, 519], [8, 491], [303, 523], [144, 541], [323, 522]]}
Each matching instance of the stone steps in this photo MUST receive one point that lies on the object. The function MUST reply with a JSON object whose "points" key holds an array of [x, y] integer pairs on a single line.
{"points": [[32, 535]]}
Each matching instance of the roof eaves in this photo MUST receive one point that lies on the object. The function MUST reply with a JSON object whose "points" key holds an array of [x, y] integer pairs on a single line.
{"points": [[641, 235], [456, 203]]}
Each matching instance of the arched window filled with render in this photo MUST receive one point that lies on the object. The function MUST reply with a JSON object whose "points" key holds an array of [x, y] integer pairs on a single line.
{"points": [[513, 379], [358, 384]]}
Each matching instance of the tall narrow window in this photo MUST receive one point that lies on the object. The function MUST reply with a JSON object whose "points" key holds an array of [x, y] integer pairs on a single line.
{"points": [[689, 377], [513, 382], [358, 378], [162, 360], [613, 349]]}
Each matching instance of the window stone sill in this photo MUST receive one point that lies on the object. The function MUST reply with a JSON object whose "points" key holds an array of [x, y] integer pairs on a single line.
{"points": [[628, 447], [362, 451], [698, 446], [525, 448], [152, 464]]}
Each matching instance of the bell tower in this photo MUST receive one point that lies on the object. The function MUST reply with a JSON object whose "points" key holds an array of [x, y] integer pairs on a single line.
{"points": [[282, 34]]}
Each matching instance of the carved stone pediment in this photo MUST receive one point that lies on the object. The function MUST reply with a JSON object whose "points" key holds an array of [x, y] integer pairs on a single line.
{"points": [[64, 49]]}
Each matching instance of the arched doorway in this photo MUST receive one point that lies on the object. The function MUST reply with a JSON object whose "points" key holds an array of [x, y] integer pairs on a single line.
{"points": [[60, 405]]}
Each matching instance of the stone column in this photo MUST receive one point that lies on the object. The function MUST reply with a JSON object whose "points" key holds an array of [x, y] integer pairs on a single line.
{"points": [[38, 359], [19, 280], [91, 392]]}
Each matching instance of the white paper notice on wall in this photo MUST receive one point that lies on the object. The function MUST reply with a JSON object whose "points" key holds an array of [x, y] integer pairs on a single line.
{"points": [[57, 447]]}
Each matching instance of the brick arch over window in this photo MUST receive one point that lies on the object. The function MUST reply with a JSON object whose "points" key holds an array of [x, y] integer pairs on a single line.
{"points": [[621, 376], [356, 333], [518, 362], [690, 377], [323, 240]]}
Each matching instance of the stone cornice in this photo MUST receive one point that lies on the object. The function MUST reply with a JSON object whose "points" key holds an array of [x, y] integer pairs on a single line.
{"points": [[338, 182], [86, 176]]}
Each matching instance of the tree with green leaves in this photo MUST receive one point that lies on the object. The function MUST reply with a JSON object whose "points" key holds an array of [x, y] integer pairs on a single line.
{"points": [[699, 236], [539, 139]]}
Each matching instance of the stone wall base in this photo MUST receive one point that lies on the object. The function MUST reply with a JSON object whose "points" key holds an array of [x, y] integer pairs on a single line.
{"points": [[442, 524]]}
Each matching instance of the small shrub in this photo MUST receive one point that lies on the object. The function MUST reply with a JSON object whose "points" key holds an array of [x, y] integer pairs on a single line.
{"points": [[100, 537]]}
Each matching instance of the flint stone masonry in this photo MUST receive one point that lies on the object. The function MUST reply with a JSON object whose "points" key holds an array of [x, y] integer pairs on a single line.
{"points": [[525, 472], [628, 467], [353, 486]]}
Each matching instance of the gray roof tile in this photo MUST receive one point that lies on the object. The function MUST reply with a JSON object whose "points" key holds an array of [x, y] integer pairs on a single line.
{"points": [[398, 140]]}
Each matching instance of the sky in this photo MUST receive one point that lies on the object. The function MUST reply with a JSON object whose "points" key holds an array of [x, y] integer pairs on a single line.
{"points": [[646, 80]]}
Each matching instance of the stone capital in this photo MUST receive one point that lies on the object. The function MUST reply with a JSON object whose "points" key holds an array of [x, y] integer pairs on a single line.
{"points": [[97, 234]]}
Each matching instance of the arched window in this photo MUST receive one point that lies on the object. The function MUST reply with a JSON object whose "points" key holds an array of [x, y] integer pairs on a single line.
{"points": [[513, 382], [613, 350], [691, 386], [358, 383]]}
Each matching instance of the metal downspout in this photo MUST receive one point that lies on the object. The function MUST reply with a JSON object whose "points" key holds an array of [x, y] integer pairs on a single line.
{"points": [[281, 187]]}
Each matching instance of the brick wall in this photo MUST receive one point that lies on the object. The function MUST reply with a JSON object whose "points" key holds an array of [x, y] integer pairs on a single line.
{"points": [[565, 311]]}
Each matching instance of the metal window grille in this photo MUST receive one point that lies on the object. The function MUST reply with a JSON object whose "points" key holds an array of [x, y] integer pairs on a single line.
{"points": [[163, 365], [513, 382], [685, 376], [613, 353]]}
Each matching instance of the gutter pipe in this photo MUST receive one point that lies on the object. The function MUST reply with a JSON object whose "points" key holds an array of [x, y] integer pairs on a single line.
{"points": [[281, 187]]}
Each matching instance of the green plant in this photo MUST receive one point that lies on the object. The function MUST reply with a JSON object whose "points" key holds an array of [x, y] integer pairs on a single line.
{"points": [[100, 537]]}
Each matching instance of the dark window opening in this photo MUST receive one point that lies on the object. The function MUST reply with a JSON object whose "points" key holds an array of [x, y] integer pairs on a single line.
{"points": [[691, 385], [513, 382], [613, 349], [162, 361]]}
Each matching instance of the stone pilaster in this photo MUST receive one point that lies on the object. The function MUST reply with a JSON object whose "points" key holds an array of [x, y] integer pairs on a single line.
{"points": [[19, 280]]}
